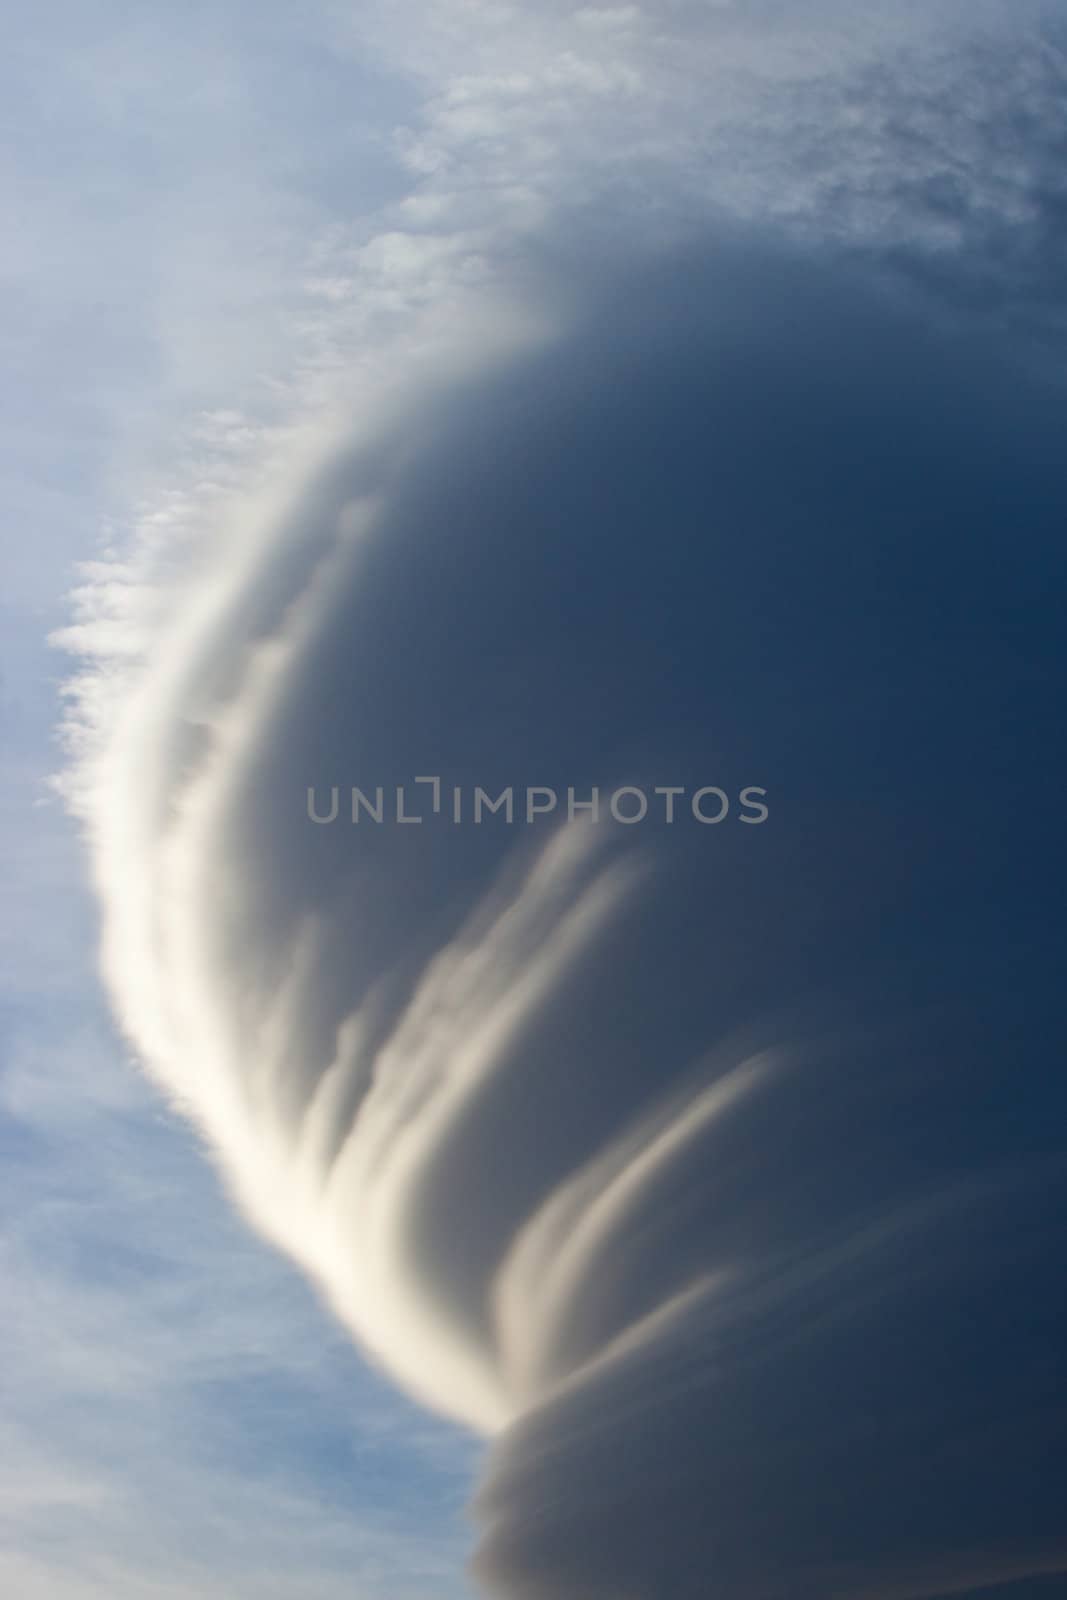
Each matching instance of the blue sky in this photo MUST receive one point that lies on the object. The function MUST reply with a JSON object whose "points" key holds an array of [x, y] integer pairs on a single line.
{"points": [[290, 293]]}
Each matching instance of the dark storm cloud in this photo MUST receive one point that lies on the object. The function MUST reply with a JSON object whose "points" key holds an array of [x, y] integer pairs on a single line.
{"points": [[717, 1171]]}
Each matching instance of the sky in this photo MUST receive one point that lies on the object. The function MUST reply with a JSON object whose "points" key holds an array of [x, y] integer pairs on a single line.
{"points": [[452, 399]]}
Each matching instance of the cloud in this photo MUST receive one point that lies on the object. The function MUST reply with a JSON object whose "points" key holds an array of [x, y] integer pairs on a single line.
{"points": [[711, 1172]]}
